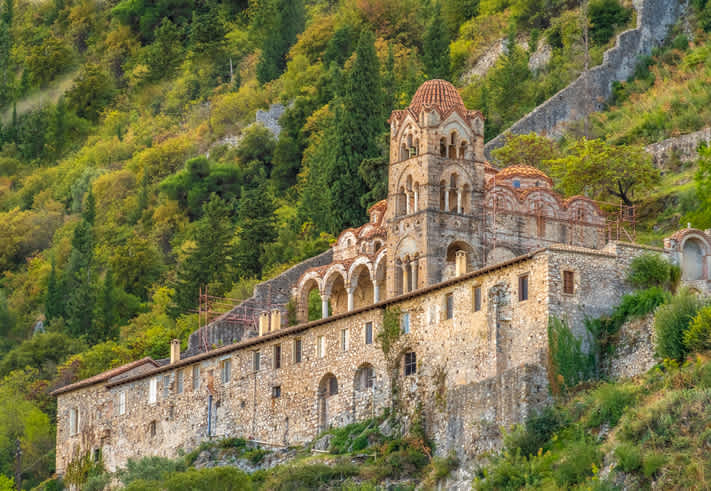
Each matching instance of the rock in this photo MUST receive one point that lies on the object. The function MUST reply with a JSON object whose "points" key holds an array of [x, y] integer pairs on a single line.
{"points": [[323, 443], [386, 427], [541, 57]]}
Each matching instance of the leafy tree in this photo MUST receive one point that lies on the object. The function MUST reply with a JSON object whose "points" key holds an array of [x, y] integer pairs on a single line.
{"points": [[456, 12], [5, 67], [605, 17], [42, 352], [340, 46], [530, 149], [107, 317], [92, 91], [207, 31], [436, 47], [287, 24], [163, 55], [208, 257], [257, 143], [54, 303], [257, 229], [603, 171]]}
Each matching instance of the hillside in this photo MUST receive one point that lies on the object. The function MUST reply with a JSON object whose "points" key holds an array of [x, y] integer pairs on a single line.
{"points": [[122, 190]]}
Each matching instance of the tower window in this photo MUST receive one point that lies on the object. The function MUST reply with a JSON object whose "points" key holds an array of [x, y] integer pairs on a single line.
{"points": [[405, 322], [517, 184], [568, 282], [477, 298], [523, 288], [368, 333], [449, 305]]}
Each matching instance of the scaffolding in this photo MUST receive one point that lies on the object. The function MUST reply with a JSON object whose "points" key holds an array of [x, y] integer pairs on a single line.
{"points": [[229, 311]]}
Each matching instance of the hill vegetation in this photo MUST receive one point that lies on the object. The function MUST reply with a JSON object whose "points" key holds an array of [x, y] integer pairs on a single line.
{"points": [[121, 192]]}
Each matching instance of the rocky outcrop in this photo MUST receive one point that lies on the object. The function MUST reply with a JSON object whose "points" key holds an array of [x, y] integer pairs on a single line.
{"points": [[588, 93], [270, 119], [634, 349]]}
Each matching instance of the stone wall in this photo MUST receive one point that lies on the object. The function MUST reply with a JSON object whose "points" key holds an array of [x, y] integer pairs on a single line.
{"points": [[654, 18], [684, 147], [634, 349], [270, 294]]}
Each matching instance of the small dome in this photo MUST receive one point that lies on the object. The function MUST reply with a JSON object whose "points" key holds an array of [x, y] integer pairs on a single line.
{"points": [[438, 93], [521, 171]]}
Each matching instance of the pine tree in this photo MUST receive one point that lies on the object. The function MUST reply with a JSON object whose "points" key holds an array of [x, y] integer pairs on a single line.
{"points": [[209, 261], [389, 87], [288, 23], [107, 315], [436, 47], [257, 229]]}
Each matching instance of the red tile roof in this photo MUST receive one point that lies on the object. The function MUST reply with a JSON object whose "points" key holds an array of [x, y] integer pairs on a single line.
{"points": [[104, 376]]}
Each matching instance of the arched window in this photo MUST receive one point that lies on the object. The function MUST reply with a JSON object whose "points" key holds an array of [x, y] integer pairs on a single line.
{"points": [[404, 154], [364, 377], [453, 145], [442, 147], [463, 150]]}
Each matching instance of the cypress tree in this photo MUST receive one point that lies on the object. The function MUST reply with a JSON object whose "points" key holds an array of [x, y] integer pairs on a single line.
{"points": [[257, 229], [54, 301], [389, 88], [436, 47], [108, 316], [360, 121], [288, 23]]}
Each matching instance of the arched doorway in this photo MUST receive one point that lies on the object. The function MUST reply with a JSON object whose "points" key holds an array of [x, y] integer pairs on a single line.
{"points": [[692, 265], [327, 389]]}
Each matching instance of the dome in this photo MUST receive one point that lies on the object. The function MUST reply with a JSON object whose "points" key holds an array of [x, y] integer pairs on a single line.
{"points": [[521, 171], [437, 93]]}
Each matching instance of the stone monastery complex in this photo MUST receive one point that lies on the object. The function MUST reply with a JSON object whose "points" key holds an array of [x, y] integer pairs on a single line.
{"points": [[438, 307]]}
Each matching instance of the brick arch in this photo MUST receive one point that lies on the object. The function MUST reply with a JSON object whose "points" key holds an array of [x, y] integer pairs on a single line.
{"points": [[507, 200]]}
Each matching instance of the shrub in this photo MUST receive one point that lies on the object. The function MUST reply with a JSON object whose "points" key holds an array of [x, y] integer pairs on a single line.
{"points": [[629, 458], [698, 336], [577, 464], [149, 469], [649, 270], [533, 435], [217, 478], [569, 364], [314, 476], [609, 403], [651, 463], [671, 323]]}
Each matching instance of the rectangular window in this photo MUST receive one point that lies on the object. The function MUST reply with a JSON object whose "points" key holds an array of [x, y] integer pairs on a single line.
{"points": [[344, 339], [410, 363], [321, 346], [256, 360], [449, 305], [196, 377], [122, 403], [73, 421], [179, 381], [225, 370], [368, 333], [153, 390], [477, 298], [166, 386], [276, 392], [277, 356], [568, 282], [297, 350], [405, 322], [523, 288]]}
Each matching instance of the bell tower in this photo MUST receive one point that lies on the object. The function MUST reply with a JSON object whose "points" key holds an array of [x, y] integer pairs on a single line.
{"points": [[435, 189]]}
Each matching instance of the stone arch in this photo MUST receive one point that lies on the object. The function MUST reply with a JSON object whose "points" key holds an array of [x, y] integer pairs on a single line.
{"points": [[694, 252], [451, 257], [309, 282], [401, 202], [503, 198], [327, 389], [379, 276], [452, 142], [499, 255], [334, 288], [360, 283]]}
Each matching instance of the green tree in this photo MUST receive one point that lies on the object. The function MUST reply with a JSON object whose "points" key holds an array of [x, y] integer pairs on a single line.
{"points": [[207, 261], [257, 229], [107, 317], [5, 65], [207, 31], [340, 46], [54, 302], [92, 91], [605, 16], [603, 171], [163, 55], [436, 47], [530, 149], [287, 23]]}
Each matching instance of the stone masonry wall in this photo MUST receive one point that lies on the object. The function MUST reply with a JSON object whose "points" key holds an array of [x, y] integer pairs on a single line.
{"points": [[654, 18], [475, 371], [682, 147], [634, 349]]}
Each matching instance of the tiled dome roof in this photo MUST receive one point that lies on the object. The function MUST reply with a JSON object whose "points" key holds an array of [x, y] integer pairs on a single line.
{"points": [[521, 171], [438, 93]]}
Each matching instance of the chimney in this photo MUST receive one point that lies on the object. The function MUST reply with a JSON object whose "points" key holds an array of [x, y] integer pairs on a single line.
{"points": [[174, 351], [276, 320], [263, 323], [460, 263]]}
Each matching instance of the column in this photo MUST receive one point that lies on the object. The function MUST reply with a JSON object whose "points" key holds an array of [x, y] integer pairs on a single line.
{"points": [[324, 306], [417, 199], [446, 199], [413, 274], [407, 203], [351, 300], [459, 201], [376, 291], [405, 278]]}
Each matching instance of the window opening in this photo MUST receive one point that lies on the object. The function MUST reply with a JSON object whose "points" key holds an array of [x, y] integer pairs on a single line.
{"points": [[568, 282], [523, 288], [405, 322], [368, 333], [477, 298], [410, 363], [277, 356]]}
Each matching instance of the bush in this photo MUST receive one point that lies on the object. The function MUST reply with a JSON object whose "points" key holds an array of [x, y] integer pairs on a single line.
{"points": [[214, 479], [671, 323], [609, 403], [629, 458], [698, 337], [569, 364], [651, 463], [314, 476], [650, 270], [535, 433], [577, 464], [149, 469]]}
